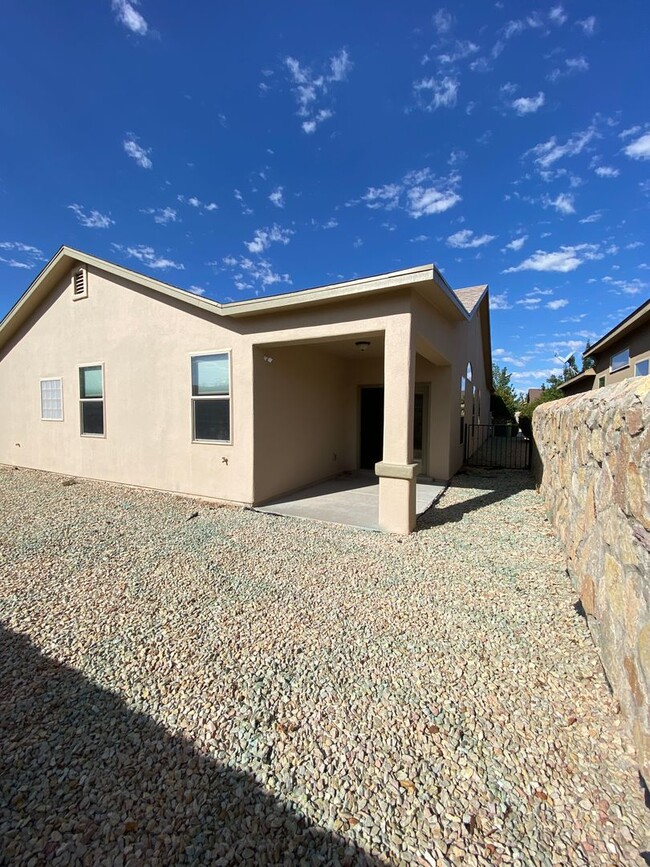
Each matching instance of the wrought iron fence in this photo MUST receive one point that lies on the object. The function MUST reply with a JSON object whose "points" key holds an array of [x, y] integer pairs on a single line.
{"points": [[497, 446]]}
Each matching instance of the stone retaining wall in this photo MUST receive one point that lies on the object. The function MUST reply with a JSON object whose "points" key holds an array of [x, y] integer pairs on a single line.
{"points": [[592, 462]]}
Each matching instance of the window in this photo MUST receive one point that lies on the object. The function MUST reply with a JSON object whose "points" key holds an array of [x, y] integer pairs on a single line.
{"points": [[620, 360], [79, 284], [91, 399], [462, 409], [642, 368], [601, 382], [211, 397], [51, 400]]}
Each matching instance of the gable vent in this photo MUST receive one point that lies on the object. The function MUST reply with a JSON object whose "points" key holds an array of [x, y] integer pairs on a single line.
{"points": [[79, 285]]}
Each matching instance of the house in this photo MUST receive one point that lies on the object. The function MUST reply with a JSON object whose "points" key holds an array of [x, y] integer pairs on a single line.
{"points": [[109, 374], [621, 353]]}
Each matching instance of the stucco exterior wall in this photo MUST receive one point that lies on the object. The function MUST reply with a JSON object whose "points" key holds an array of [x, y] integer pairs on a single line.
{"points": [[593, 466], [293, 421], [639, 345], [144, 343], [303, 405]]}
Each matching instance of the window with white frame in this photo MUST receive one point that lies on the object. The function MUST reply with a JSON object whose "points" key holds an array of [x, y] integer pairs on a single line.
{"points": [[211, 397], [642, 368], [91, 399], [51, 399], [620, 360]]}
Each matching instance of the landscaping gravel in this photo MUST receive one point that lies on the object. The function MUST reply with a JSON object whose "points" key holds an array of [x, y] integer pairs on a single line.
{"points": [[183, 683]]}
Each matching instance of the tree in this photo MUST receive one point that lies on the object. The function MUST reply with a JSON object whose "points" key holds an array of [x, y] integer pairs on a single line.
{"points": [[503, 388]]}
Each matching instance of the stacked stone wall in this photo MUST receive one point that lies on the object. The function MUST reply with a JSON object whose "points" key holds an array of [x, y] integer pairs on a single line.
{"points": [[592, 463]]}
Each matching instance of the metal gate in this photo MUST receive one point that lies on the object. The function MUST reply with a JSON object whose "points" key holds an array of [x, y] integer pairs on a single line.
{"points": [[497, 446]]}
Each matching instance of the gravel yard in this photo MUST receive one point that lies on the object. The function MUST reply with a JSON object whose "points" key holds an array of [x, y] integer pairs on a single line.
{"points": [[229, 687]]}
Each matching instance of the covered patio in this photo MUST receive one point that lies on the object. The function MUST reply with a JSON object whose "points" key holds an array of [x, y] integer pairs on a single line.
{"points": [[351, 499]]}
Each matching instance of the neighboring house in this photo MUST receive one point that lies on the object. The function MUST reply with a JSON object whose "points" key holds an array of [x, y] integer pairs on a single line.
{"points": [[622, 352], [112, 375]]}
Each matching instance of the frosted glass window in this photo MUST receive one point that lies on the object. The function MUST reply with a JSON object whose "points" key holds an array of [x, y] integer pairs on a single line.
{"points": [[51, 400], [91, 400], [90, 381], [211, 397], [210, 375]]}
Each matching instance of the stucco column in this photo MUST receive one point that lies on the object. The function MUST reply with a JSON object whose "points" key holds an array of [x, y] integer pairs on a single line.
{"points": [[397, 471]]}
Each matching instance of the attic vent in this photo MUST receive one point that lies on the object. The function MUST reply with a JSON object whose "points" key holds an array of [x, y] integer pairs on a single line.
{"points": [[79, 285]]}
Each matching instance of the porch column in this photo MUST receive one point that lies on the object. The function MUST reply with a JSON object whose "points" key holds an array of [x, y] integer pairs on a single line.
{"points": [[396, 470]]}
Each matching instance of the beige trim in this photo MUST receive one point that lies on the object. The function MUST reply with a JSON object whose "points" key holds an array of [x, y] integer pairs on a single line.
{"points": [[425, 278], [396, 471]]}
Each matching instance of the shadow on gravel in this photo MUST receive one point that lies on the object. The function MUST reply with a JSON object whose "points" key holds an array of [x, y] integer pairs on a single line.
{"points": [[497, 484], [84, 779]]}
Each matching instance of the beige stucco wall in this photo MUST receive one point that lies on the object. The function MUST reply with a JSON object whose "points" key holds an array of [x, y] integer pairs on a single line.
{"points": [[289, 418]]}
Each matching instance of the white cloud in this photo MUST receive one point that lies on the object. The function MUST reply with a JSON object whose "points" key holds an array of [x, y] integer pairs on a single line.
{"points": [[557, 15], [606, 172], [340, 66], [592, 218], [263, 238], [443, 21], [557, 304], [432, 93], [465, 239], [639, 149], [588, 25], [277, 197], [516, 244], [571, 66], [563, 203], [128, 15], [29, 255], [425, 201], [549, 152], [309, 90], [500, 302], [528, 104], [248, 273], [460, 51], [93, 220], [631, 130], [195, 202], [162, 216], [420, 193], [563, 260], [149, 257], [137, 152], [627, 287]]}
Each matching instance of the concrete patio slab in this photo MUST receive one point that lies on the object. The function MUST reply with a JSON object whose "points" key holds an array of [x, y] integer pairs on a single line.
{"points": [[352, 499]]}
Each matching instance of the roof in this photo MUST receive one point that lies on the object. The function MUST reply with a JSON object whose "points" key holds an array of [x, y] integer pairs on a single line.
{"points": [[426, 279], [638, 317], [471, 296], [580, 377]]}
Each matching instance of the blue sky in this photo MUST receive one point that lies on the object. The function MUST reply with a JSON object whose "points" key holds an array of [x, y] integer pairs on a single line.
{"points": [[252, 148]]}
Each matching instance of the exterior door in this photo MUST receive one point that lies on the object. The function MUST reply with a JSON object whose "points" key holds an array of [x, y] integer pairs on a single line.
{"points": [[371, 426]]}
